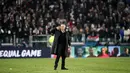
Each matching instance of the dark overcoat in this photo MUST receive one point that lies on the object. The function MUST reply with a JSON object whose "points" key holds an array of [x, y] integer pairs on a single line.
{"points": [[55, 48]]}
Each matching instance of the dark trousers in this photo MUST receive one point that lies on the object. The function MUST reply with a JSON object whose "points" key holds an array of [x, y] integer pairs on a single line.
{"points": [[57, 60], [61, 53]]}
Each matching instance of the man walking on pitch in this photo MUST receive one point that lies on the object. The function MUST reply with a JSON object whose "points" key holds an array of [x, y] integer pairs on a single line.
{"points": [[60, 45]]}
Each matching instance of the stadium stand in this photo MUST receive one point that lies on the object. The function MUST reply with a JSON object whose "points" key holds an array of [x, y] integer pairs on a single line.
{"points": [[107, 19]]}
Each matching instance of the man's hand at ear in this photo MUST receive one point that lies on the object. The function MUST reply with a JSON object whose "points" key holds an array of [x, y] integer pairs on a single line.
{"points": [[58, 27]]}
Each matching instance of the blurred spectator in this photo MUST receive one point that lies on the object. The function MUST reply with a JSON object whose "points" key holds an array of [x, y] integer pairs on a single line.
{"points": [[86, 32], [75, 32], [122, 34], [80, 35]]}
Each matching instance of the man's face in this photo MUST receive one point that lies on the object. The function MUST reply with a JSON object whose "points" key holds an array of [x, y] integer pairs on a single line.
{"points": [[127, 51], [62, 27]]}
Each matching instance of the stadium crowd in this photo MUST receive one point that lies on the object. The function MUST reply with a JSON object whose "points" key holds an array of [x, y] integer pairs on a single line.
{"points": [[103, 18]]}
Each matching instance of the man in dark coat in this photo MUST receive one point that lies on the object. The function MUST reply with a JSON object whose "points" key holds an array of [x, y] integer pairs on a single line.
{"points": [[60, 44]]}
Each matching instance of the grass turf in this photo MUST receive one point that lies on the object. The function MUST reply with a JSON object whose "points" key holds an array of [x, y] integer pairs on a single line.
{"points": [[78, 65]]}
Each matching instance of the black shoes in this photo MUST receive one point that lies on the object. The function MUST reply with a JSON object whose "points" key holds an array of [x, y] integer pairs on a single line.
{"points": [[64, 68], [54, 68], [61, 68]]}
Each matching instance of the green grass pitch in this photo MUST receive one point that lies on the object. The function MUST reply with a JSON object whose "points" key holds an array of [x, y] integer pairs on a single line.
{"points": [[78, 65]]}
